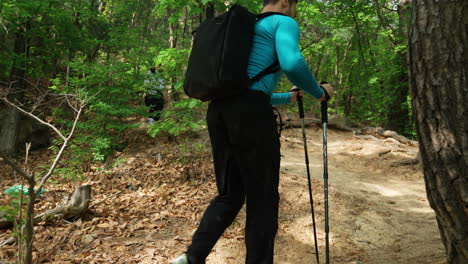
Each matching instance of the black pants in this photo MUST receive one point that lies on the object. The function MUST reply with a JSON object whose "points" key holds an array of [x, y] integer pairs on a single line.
{"points": [[246, 154], [156, 105]]}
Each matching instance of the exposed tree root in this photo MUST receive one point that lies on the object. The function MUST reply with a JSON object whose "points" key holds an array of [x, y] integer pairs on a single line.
{"points": [[76, 206]]}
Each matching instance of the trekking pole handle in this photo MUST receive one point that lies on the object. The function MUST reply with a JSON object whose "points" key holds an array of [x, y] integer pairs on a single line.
{"points": [[299, 102], [325, 104], [324, 112]]}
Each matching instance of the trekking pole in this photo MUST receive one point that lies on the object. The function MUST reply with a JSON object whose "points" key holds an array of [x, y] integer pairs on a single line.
{"points": [[325, 171], [301, 116]]}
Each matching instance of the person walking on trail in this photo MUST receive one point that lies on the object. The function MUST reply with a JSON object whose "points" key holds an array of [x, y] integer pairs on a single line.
{"points": [[245, 142], [155, 86]]}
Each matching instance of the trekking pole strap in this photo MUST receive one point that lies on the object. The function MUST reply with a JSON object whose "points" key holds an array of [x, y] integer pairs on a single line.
{"points": [[325, 105], [280, 129], [300, 103]]}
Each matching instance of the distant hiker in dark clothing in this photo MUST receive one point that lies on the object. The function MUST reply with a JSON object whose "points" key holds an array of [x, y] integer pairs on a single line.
{"points": [[245, 141], [155, 86]]}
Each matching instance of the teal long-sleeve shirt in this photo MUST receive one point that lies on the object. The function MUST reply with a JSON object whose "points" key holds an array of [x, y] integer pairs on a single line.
{"points": [[277, 36]]}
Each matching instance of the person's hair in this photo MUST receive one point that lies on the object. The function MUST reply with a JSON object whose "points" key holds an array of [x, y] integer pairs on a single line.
{"points": [[268, 2]]}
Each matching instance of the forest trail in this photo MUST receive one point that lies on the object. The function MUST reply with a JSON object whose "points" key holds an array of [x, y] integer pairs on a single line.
{"points": [[379, 213], [378, 210]]}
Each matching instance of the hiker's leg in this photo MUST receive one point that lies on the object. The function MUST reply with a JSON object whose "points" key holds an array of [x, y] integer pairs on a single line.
{"points": [[158, 107], [259, 158], [151, 102], [224, 208], [262, 207]]}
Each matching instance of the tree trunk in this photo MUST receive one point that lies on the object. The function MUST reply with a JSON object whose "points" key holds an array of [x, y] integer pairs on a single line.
{"points": [[438, 52], [398, 112], [8, 131], [184, 28], [172, 31], [29, 226], [10, 122], [319, 63]]}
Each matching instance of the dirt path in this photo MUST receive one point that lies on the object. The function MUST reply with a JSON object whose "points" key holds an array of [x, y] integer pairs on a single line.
{"points": [[378, 211]]}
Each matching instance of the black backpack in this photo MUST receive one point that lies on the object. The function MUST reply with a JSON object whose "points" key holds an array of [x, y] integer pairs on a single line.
{"points": [[217, 66]]}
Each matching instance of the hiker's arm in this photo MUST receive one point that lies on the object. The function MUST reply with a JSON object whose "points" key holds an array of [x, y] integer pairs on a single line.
{"points": [[291, 61], [280, 98], [286, 98]]}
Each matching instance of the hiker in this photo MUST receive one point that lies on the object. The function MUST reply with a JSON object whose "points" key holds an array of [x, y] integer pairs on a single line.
{"points": [[245, 142], [155, 86]]}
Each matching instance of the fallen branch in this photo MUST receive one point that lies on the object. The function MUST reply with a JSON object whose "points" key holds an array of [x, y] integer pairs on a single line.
{"points": [[74, 208], [386, 134], [9, 241], [333, 122], [297, 123]]}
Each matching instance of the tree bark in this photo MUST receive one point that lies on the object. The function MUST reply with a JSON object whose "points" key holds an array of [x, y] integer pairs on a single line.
{"points": [[29, 226], [172, 31], [10, 123], [398, 112], [438, 51], [317, 67]]}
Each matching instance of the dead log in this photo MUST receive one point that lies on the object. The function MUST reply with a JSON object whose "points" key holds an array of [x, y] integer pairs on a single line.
{"points": [[296, 123], [74, 208], [385, 134], [336, 122]]}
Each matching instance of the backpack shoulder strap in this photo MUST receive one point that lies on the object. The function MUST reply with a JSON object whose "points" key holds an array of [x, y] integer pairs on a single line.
{"points": [[274, 67], [267, 14]]}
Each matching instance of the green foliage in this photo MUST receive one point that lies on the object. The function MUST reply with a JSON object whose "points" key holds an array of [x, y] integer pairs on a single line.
{"points": [[102, 50], [182, 117], [11, 211], [173, 63], [109, 90], [8, 212], [358, 47]]}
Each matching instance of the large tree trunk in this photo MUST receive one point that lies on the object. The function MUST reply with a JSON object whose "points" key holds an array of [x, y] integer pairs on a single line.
{"points": [[438, 61], [10, 116], [398, 114], [8, 130]]}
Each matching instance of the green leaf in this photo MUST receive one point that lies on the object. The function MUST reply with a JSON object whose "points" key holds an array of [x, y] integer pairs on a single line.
{"points": [[193, 125], [192, 104]]}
